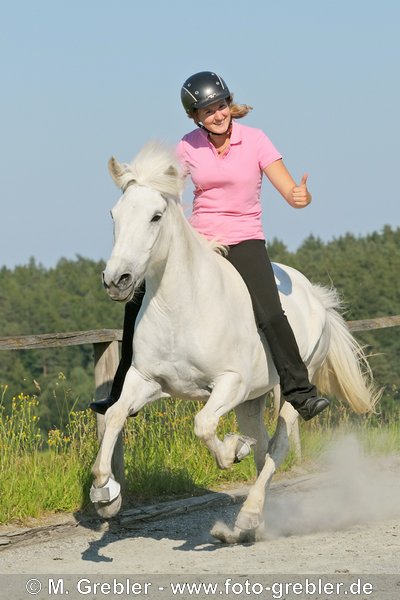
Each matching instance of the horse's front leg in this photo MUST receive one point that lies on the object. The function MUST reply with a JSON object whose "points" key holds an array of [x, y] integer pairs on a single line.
{"points": [[136, 393], [228, 392]]}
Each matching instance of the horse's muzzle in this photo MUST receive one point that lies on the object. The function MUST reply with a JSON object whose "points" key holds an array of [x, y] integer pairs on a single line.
{"points": [[119, 288]]}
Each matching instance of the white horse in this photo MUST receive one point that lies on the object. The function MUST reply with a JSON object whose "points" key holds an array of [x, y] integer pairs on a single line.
{"points": [[196, 335]]}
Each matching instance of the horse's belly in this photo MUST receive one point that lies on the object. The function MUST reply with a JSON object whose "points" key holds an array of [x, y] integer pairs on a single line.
{"points": [[189, 392]]}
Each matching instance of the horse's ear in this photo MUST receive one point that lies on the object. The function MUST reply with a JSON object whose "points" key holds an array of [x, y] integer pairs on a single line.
{"points": [[116, 170], [172, 171]]}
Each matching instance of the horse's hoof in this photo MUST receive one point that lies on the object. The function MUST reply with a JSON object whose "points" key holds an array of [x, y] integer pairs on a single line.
{"points": [[243, 447], [248, 521], [107, 510], [232, 536], [105, 493]]}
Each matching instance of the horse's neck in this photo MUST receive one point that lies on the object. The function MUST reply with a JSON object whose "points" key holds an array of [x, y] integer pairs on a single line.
{"points": [[176, 266]]}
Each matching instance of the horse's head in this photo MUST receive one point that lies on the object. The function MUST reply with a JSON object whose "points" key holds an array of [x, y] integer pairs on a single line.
{"points": [[148, 185]]}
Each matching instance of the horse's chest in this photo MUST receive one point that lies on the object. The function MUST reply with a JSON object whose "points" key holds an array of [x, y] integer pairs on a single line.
{"points": [[177, 376], [180, 377]]}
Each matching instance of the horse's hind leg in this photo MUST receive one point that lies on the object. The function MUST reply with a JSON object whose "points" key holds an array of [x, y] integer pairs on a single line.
{"points": [[250, 416], [249, 521], [251, 514], [295, 431]]}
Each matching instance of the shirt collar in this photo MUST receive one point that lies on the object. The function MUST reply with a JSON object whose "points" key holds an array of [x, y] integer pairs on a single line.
{"points": [[236, 135]]}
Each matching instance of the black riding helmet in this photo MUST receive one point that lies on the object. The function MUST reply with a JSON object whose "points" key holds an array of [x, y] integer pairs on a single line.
{"points": [[202, 89]]}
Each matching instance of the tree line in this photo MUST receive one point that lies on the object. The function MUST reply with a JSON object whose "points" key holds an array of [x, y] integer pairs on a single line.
{"points": [[70, 297]]}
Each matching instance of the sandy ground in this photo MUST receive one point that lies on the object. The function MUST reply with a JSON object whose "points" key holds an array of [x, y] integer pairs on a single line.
{"points": [[343, 520], [183, 545]]}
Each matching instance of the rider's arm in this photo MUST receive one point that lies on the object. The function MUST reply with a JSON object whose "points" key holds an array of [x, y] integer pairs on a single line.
{"points": [[297, 196]]}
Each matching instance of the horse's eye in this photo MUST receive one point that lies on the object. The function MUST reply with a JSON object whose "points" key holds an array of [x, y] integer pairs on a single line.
{"points": [[156, 217]]}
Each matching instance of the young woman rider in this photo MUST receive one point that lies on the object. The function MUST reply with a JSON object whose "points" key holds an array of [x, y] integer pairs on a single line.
{"points": [[226, 162]]}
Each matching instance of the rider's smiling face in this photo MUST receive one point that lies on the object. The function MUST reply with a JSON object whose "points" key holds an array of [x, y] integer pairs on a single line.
{"points": [[215, 117]]}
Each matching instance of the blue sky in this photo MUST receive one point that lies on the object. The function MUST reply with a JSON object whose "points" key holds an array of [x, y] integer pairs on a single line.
{"points": [[82, 80]]}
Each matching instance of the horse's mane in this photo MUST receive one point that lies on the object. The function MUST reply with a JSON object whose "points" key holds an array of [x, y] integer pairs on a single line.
{"points": [[156, 166]]}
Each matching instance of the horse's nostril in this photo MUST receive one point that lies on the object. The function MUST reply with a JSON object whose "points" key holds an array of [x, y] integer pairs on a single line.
{"points": [[124, 281], [105, 285]]}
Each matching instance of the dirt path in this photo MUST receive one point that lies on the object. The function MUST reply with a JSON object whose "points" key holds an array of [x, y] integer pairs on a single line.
{"points": [[183, 545], [336, 522]]}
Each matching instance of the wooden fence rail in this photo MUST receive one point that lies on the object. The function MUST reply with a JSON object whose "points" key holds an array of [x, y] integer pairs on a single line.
{"points": [[106, 358]]}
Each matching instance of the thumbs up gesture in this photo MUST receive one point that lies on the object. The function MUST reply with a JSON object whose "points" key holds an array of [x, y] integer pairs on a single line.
{"points": [[301, 197]]}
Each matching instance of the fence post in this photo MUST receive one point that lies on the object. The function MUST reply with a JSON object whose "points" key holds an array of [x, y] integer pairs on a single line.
{"points": [[106, 358]]}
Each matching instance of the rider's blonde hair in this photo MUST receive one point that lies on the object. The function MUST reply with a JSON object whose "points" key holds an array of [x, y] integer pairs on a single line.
{"points": [[238, 111]]}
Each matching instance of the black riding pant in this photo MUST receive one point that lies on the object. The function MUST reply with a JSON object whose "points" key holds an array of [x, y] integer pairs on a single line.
{"points": [[251, 260]]}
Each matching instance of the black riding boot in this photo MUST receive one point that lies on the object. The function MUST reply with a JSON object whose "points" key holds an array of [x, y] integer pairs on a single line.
{"points": [[131, 312], [296, 387]]}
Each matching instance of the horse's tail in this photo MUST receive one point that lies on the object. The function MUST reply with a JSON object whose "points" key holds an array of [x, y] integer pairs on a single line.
{"points": [[345, 372]]}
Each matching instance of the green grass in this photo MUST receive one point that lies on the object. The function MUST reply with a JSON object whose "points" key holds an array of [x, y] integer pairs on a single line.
{"points": [[375, 436], [163, 458], [41, 474]]}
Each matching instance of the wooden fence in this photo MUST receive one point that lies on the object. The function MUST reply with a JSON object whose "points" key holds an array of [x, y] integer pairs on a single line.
{"points": [[106, 358]]}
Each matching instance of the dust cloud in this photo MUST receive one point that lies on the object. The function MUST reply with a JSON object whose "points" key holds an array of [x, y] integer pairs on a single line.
{"points": [[351, 489]]}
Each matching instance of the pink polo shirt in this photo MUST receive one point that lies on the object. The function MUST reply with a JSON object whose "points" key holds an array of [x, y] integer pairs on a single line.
{"points": [[227, 205]]}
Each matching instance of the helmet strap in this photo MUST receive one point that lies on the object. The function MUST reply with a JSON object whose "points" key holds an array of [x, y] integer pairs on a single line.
{"points": [[227, 132]]}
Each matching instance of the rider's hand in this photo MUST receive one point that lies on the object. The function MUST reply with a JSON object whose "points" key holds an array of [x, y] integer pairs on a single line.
{"points": [[300, 196]]}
